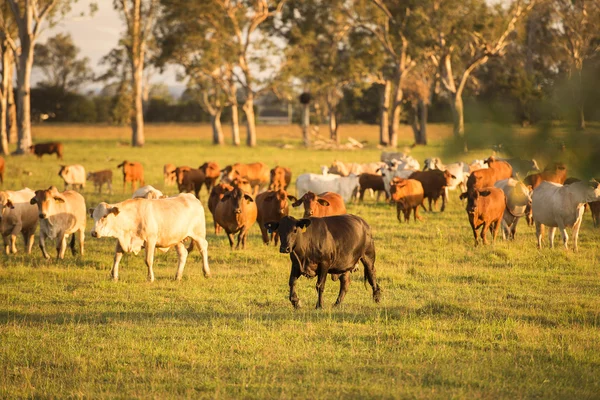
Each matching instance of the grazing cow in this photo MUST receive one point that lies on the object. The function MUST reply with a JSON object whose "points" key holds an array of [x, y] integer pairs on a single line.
{"points": [[485, 208], [148, 192], [373, 182], [389, 173], [100, 178], [132, 172], [522, 167], [169, 174], [502, 169], [153, 224], [192, 181], [555, 172], [434, 185], [345, 169], [280, 178], [408, 196], [345, 186], [216, 194], [73, 175], [518, 204], [558, 206], [322, 205], [330, 245], [47, 148], [236, 212], [2, 164], [272, 205], [17, 215], [61, 214], [211, 173], [258, 174]]}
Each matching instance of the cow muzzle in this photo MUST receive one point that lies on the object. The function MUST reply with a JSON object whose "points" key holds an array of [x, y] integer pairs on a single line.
{"points": [[94, 234], [42, 215], [285, 249]]}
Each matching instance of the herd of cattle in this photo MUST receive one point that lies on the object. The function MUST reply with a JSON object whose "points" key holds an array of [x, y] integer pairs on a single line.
{"points": [[325, 241]]}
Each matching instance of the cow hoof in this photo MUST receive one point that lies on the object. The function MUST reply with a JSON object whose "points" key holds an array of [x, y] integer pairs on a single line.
{"points": [[377, 296], [296, 304], [115, 278]]}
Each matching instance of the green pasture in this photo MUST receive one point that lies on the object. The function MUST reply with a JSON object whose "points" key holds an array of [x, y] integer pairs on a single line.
{"points": [[499, 321]]}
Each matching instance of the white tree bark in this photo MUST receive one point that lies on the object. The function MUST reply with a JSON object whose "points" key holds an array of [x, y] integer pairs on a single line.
{"points": [[384, 123], [235, 125]]}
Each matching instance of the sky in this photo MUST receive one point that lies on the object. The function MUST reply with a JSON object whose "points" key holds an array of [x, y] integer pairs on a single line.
{"points": [[96, 36]]}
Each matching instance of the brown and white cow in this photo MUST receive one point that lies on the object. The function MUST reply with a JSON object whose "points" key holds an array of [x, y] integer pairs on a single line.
{"points": [[153, 224], [17, 215], [132, 172], [322, 205], [236, 212], [485, 208], [61, 215], [272, 205], [100, 178]]}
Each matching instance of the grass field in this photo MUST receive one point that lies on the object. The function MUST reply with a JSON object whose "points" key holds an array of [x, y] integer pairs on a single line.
{"points": [[501, 321]]}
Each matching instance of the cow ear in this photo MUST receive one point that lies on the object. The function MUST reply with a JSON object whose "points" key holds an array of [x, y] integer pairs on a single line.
{"points": [[323, 202], [33, 201], [59, 199], [298, 202], [114, 210], [10, 205], [122, 164], [452, 176], [272, 226], [463, 196], [249, 198], [91, 211], [485, 193], [292, 198], [303, 223]]}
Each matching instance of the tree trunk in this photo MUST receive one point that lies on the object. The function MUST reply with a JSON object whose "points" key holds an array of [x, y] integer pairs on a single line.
{"points": [[333, 126], [248, 108], [580, 117], [24, 96], [4, 101], [306, 124], [423, 108], [419, 123], [136, 55], [384, 123], [215, 121], [235, 125], [456, 104], [11, 118], [396, 108]]}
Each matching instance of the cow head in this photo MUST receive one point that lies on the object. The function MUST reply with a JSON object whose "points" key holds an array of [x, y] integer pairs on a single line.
{"points": [[227, 174], [289, 229], [210, 169], [338, 168], [277, 178], [64, 170], [396, 186], [122, 164], [592, 191], [218, 191], [279, 199], [105, 220], [472, 199], [46, 201], [311, 203], [238, 199], [241, 183], [449, 178], [5, 204]]}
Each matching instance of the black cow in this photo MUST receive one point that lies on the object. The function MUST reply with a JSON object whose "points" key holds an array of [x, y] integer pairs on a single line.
{"points": [[327, 245]]}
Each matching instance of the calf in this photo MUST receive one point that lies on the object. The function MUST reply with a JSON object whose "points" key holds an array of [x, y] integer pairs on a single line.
{"points": [[272, 205], [256, 173], [216, 194], [389, 173], [169, 174], [408, 196], [47, 148], [558, 206], [73, 175], [323, 205], [61, 214], [485, 208], [555, 172], [132, 172], [17, 215], [192, 181], [373, 182], [518, 204], [100, 178], [2, 164], [280, 178], [434, 185], [236, 212], [211, 173], [330, 245], [153, 224], [502, 169], [480, 179], [148, 192]]}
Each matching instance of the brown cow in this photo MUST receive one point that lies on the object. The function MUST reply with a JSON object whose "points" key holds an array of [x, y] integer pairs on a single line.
{"points": [[502, 169], [485, 208], [236, 212], [211, 174], [323, 205], [100, 178], [179, 171], [132, 172], [408, 196], [434, 183], [169, 174], [192, 181], [272, 206], [242, 183], [47, 148], [373, 182], [216, 194], [280, 178], [555, 172], [2, 169], [256, 173]]}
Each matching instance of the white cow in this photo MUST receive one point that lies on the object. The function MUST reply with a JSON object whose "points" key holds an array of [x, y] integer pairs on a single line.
{"points": [[343, 185], [61, 214], [150, 224], [387, 156], [345, 169], [148, 192], [518, 200], [73, 175], [406, 162], [558, 206], [17, 215]]}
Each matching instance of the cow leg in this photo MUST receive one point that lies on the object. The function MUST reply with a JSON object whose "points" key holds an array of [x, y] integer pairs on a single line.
{"points": [[294, 275], [182, 254], [43, 244], [81, 241], [6, 244], [430, 204], [114, 273], [539, 230], [230, 237], [484, 233], [72, 244], [497, 225], [13, 238], [513, 228], [407, 215], [551, 233], [265, 235], [61, 245], [576, 227], [275, 238], [444, 197], [368, 261], [150, 246], [29, 241], [344, 285], [110, 187], [398, 212], [474, 231], [416, 214], [361, 196], [320, 286], [505, 228]]}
